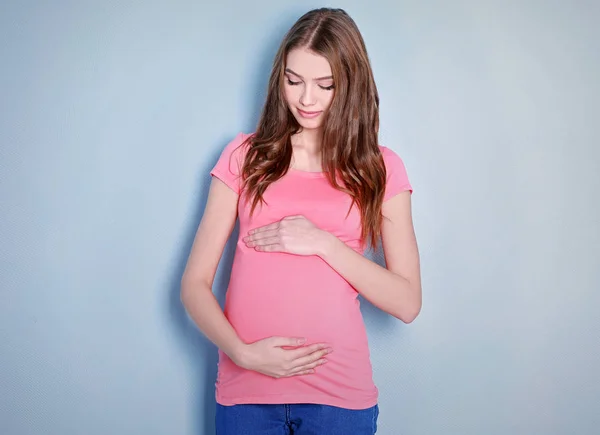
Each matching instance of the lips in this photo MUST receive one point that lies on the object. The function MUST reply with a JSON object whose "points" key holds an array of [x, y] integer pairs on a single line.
{"points": [[305, 114]]}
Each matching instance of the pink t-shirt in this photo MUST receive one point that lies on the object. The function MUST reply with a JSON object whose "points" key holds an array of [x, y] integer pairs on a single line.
{"points": [[277, 294]]}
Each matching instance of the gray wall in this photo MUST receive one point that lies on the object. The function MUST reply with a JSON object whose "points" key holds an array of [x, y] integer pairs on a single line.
{"points": [[112, 114]]}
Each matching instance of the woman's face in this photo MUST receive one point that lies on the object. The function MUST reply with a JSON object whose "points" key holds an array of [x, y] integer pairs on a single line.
{"points": [[308, 87]]}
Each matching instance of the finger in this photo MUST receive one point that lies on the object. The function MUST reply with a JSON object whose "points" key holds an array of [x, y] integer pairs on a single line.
{"points": [[272, 226], [308, 367], [273, 240], [306, 350], [262, 235], [309, 359], [276, 247], [287, 341]]}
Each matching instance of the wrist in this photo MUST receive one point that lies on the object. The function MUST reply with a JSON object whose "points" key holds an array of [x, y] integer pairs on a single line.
{"points": [[239, 354], [327, 245]]}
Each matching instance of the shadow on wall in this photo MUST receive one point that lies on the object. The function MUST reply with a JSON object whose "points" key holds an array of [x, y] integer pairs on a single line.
{"points": [[202, 353], [200, 350]]}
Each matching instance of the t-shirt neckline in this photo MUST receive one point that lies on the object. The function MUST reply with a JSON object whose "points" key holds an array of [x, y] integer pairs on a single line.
{"points": [[306, 173]]}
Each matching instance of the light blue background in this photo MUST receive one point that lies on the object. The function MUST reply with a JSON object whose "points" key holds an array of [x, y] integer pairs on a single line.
{"points": [[112, 114]]}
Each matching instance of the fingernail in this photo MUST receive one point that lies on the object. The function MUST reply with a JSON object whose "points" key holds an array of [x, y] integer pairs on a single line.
{"points": [[301, 340], [323, 361]]}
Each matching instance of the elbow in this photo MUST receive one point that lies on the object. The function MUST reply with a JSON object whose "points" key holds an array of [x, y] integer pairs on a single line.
{"points": [[190, 287], [407, 312], [185, 290], [408, 316]]}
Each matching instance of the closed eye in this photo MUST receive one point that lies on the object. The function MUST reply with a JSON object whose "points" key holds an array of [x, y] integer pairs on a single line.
{"points": [[292, 83], [327, 88]]}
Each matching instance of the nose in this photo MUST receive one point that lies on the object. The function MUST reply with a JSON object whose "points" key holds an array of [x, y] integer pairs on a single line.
{"points": [[307, 98]]}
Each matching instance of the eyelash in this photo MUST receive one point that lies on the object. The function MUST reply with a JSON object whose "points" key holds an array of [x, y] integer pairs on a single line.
{"points": [[325, 88]]}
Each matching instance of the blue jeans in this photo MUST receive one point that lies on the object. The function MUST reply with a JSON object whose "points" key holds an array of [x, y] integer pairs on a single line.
{"points": [[295, 419]]}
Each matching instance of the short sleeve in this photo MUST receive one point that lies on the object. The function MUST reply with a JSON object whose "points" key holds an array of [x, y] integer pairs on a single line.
{"points": [[228, 167], [397, 177]]}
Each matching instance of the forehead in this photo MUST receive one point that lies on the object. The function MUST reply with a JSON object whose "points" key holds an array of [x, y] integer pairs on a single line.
{"points": [[308, 64]]}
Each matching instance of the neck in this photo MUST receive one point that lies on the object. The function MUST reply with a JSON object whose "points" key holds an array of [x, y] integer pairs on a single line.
{"points": [[309, 141], [306, 147]]}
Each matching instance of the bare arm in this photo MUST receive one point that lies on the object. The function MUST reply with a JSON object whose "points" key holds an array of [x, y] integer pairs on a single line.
{"points": [[397, 288], [196, 284]]}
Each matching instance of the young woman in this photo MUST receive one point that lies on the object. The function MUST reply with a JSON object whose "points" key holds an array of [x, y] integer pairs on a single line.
{"points": [[311, 188]]}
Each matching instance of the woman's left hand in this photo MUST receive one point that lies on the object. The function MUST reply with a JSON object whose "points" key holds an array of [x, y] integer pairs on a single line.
{"points": [[292, 234]]}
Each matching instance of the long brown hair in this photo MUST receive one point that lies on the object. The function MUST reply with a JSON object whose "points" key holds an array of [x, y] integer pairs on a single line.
{"points": [[350, 149]]}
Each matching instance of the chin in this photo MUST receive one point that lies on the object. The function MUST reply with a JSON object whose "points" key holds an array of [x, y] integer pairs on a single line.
{"points": [[309, 124]]}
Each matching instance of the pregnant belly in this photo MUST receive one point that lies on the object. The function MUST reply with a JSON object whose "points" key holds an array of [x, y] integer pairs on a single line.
{"points": [[296, 296]]}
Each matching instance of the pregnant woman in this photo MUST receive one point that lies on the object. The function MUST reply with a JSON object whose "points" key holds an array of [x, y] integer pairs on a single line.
{"points": [[311, 187]]}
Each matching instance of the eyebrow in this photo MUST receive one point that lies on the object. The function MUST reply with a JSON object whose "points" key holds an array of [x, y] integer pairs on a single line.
{"points": [[287, 70]]}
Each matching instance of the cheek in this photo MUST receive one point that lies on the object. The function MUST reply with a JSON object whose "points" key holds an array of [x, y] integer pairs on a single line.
{"points": [[291, 96], [327, 99]]}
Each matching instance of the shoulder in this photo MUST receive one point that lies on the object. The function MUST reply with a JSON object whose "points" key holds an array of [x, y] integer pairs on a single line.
{"points": [[390, 157], [234, 152], [229, 165], [239, 144], [396, 175]]}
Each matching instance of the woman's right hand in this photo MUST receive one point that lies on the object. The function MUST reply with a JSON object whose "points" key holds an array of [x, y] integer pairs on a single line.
{"points": [[268, 356]]}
